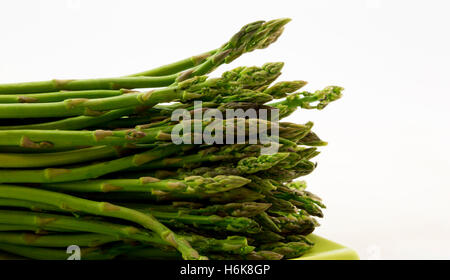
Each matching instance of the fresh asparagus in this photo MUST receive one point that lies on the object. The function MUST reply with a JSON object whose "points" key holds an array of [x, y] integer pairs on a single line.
{"points": [[61, 240], [122, 190], [64, 201], [252, 36], [53, 175], [189, 185], [16, 160]]}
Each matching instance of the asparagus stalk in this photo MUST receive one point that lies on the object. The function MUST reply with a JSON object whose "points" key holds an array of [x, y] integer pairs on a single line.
{"points": [[242, 209], [53, 175], [57, 254], [105, 209], [31, 205], [301, 199], [176, 67], [56, 240], [213, 154], [214, 222], [242, 194], [74, 123], [96, 106], [292, 223], [191, 184], [252, 36], [8, 256], [194, 88], [40, 139], [256, 256], [35, 229], [60, 223], [307, 100], [256, 35], [151, 253], [18, 160], [59, 96], [288, 250]]}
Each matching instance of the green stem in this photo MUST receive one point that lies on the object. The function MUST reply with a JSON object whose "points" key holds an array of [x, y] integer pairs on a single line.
{"points": [[88, 84], [16, 160], [74, 123], [104, 209], [70, 138], [59, 96], [56, 240], [176, 67], [192, 184], [105, 231], [234, 224], [56, 254], [93, 107], [256, 35], [53, 175]]}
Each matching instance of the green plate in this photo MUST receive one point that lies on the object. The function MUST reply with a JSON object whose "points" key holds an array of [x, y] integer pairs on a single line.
{"points": [[325, 249]]}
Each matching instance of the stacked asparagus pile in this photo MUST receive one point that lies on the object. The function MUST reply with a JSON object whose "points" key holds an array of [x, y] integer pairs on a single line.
{"points": [[92, 163]]}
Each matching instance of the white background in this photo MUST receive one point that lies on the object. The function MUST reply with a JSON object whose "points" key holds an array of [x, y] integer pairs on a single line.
{"points": [[384, 175]]}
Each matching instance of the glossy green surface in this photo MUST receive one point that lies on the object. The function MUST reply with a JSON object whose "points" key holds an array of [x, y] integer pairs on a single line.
{"points": [[325, 249]]}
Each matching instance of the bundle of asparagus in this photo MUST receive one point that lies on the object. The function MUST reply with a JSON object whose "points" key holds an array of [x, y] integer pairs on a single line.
{"points": [[92, 163]]}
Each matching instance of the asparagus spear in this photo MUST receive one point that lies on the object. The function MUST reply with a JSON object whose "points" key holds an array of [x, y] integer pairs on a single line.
{"points": [[213, 222], [256, 256], [211, 154], [288, 250], [74, 123], [176, 67], [40, 139], [57, 254], [31, 205], [8, 256], [306, 100], [56, 240], [17, 160], [59, 96], [105, 231], [191, 184], [252, 36], [151, 253], [53, 175], [242, 209], [292, 223], [242, 194], [194, 88], [96, 106], [64, 201], [301, 199]]}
